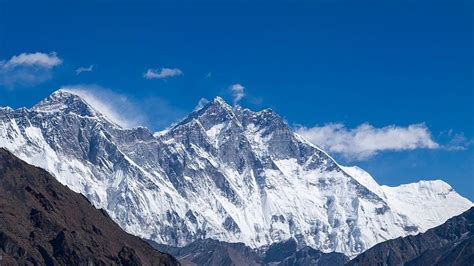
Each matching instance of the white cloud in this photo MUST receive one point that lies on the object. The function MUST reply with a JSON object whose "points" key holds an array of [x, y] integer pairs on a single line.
{"points": [[202, 102], [28, 69], [162, 73], [34, 59], [117, 108], [84, 69], [238, 92], [127, 111], [365, 140]]}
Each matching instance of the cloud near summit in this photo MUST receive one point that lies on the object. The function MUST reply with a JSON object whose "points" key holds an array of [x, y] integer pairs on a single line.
{"points": [[117, 108], [238, 92], [365, 141], [125, 110]]}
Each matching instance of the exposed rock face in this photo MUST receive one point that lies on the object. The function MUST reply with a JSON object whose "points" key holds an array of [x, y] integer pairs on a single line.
{"points": [[449, 244], [212, 252], [225, 173], [286, 253], [42, 222], [309, 256]]}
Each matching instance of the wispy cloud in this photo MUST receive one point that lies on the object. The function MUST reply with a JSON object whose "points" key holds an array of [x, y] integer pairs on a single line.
{"points": [[456, 141], [162, 73], [202, 102], [28, 69], [116, 107], [238, 92], [79, 70], [365, 141], [126, 111]]}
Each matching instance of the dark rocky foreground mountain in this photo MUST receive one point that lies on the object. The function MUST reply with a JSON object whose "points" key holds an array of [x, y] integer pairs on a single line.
{"points": [[43, 222], [449, 244], [213, 252]]}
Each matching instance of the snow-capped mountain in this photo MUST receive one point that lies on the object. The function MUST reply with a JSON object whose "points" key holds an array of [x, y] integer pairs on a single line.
{"points": [[224, 172]]}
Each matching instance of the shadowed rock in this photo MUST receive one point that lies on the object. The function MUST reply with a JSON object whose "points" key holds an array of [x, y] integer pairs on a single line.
{"points": [[451, 243], [45, 223]]}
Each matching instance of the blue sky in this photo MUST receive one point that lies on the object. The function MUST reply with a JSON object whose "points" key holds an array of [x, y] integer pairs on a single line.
{"points": [[326, 66]]}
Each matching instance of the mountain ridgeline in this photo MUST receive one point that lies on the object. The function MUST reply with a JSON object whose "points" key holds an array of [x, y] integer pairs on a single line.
{"points": [[223, 173]]}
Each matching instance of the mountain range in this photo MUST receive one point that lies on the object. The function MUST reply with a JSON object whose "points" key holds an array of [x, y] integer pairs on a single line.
{"points": [[44, 222], [224, 173]]}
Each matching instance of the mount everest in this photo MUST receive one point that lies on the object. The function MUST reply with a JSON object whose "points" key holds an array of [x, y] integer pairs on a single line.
{"points": [[223, 172]]}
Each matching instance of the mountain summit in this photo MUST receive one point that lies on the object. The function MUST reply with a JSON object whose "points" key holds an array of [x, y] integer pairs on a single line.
{"points": [[66, 102], [225, 173]]}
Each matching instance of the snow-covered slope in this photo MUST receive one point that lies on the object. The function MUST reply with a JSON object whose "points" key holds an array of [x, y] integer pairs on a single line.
{"points": [[225, 173]]}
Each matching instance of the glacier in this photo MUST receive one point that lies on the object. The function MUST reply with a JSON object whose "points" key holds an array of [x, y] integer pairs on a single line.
{"points": [[223, 172]]}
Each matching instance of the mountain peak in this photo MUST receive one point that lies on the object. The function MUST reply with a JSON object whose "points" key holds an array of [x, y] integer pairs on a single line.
{"points": [[65, 101], [214, 112], [64, 94], [219, 100]]}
